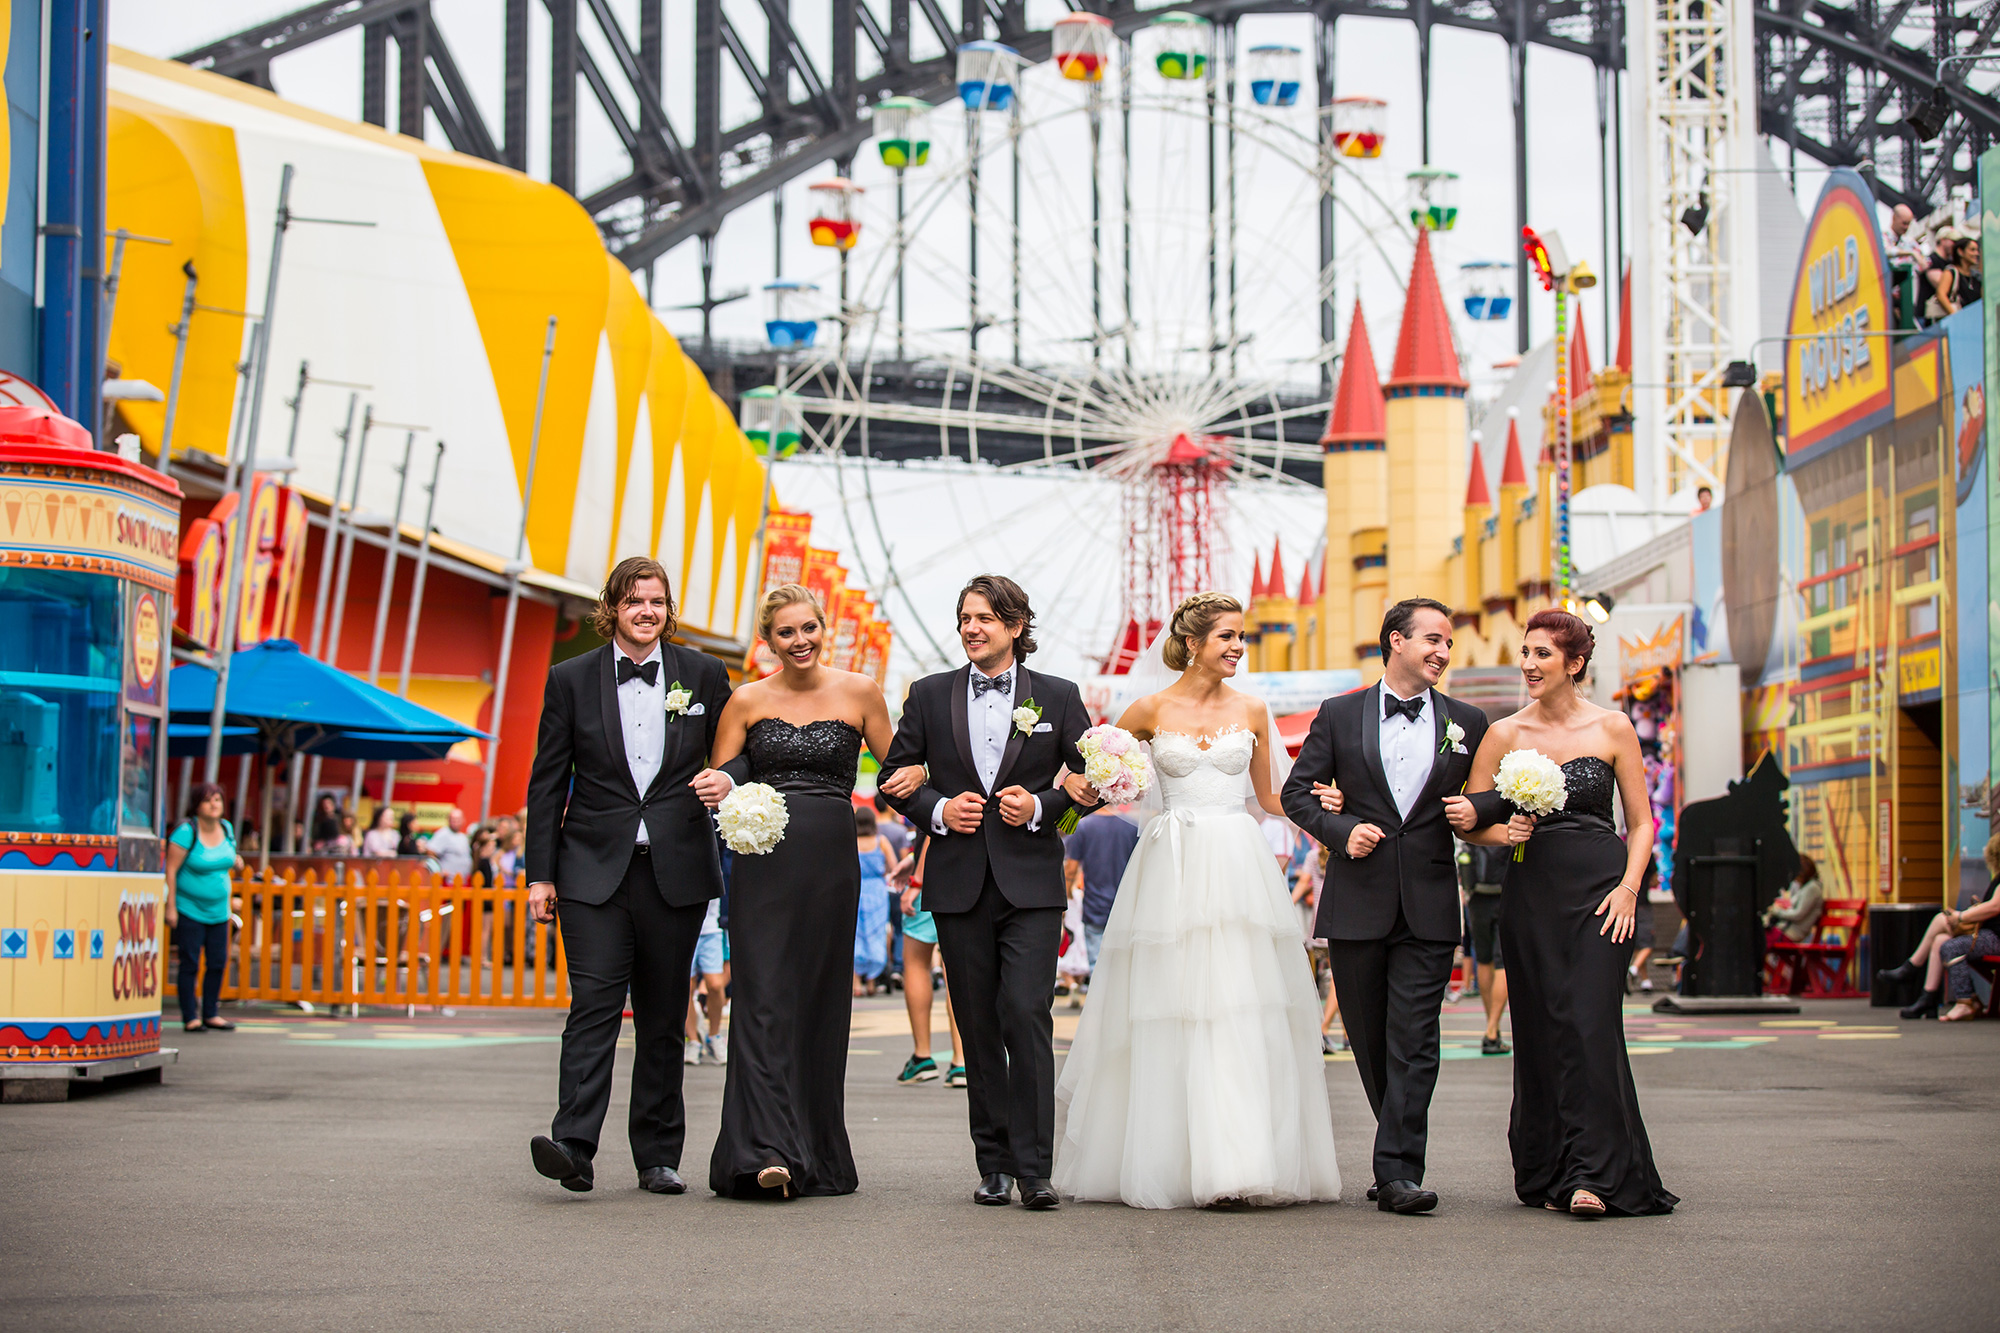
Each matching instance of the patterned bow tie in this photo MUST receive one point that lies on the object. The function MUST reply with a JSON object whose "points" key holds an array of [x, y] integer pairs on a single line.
{"points": [[1413, 709], [1004, 682], [646, 671]]}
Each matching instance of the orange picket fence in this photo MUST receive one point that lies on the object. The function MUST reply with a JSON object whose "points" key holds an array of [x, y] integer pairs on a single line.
{"points": [[405, 938]]}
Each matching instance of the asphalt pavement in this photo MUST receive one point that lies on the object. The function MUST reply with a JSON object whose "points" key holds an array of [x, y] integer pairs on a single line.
{"points": [[1837, 1172]]}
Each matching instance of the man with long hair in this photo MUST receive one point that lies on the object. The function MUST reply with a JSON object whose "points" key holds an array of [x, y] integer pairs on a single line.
{"points": [[622, 854]]}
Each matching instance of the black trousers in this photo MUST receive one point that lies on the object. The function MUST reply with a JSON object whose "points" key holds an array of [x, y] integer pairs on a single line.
{"points": [[1391, 990], [633, 941], [199, 942], [1000, 965]]}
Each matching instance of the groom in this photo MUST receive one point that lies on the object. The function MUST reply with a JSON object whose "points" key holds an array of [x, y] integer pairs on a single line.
{"points": [[1400, 751], [993, 738]]}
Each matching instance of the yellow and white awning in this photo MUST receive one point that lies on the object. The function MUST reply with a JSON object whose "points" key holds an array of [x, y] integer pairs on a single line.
{"points": [[441, 307]]}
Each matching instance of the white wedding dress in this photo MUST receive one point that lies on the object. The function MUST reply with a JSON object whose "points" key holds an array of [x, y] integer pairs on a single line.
{"points": [[1196, 1074]]}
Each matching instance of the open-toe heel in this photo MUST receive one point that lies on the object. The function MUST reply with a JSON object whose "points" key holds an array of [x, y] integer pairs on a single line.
{"points": [[776, 1178], [1582, 1203]]}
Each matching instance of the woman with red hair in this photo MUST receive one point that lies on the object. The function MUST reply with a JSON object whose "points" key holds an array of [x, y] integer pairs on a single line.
{"points": [[1566, 922]]}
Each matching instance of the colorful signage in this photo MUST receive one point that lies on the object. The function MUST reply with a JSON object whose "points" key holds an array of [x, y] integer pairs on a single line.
{"points": [[1837, 363], [80, 962], [272, 566], [88, 524], [1662, 652]]}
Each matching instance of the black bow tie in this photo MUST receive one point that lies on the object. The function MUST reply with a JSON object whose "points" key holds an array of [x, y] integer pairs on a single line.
{"points": [[1004, 682], [646, 671], [1413, 709]]}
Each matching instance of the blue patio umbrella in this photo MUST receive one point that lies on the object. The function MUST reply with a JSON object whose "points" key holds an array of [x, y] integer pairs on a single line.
{"points": [[282, 702]]}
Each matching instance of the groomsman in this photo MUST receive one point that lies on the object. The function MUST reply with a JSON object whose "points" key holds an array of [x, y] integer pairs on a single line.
{"points": [[1401, 751], [623, 855]]}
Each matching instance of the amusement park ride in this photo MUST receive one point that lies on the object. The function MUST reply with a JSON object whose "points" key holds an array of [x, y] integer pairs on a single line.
{"points": [[1121, 350]]}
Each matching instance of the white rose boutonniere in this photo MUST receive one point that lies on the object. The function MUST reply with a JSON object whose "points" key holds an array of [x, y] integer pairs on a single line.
{"points": [[679, 697], [1454, 739], [1026, 716]]}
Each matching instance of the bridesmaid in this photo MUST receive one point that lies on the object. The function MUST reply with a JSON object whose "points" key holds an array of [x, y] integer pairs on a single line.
{"points": [[792, 911], [1578, 1140]]}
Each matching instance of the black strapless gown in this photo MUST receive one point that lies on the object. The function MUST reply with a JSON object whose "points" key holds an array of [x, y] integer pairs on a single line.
{"points": [[791, 957], [1576, 1122]]}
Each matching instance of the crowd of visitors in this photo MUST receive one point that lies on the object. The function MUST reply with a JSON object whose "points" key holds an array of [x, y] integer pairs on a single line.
{"points": [[1943, 262]]}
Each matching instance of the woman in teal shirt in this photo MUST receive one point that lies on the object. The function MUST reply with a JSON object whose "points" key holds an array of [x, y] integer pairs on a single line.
{"points": [[200, 855]]}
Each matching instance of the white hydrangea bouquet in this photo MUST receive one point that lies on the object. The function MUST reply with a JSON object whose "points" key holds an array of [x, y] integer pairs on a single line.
{"points": [[752, 818], [1115, 763], [1532, 783]]}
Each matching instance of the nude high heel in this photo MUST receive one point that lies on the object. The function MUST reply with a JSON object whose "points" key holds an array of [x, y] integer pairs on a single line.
{"points": [[776, 1178]]}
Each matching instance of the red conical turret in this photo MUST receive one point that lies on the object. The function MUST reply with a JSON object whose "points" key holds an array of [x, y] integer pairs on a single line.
{"points": [[1306, 594], [1425, 357], [1274, 583], [1624, 358], [1256, 577], [1476, 494], [1579, 363], [1512, 472], [1357, 417]]}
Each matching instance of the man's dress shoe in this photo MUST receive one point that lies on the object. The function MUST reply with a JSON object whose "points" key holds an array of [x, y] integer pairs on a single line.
{"points": [[1371, 1192], [562, 1160], [1038, 1195], [996, 1190], [662, 1180], [1404, 1196]]}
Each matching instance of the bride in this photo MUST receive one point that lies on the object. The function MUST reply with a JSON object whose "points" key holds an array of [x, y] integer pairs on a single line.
{"points": [[1196, 1076]]}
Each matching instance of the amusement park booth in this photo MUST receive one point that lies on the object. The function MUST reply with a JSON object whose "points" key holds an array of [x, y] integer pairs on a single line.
{"points": [[88, 547]]}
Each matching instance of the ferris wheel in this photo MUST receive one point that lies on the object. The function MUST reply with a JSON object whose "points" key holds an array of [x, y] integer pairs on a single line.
{"points": [[1112, 261]]}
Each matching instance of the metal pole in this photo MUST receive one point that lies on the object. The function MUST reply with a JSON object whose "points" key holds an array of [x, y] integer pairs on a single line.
{"points": [[972, 118], [385, 591], [1014, 162], [327, 548], [515, 569], [1229, 111], [416, 604], [1329, 329], [1208, 135], [247, 471], [180, 332], [298, 406], [239, 423], [1517, 72], [1125, 182], [338, 612], [1096, 101], [901, 245]]}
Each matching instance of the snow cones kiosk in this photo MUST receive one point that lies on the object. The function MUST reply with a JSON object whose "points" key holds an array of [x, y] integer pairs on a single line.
{"points": [[88, 558]]}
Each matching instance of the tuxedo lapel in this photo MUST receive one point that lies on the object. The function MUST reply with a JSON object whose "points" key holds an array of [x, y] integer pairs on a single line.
{"points": [[1015, 738], [1371, 744], [961, 724], [614, 727]]}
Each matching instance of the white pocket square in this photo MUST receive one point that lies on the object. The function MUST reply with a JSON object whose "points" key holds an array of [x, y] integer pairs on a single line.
{"points": [[696, 710], [1041, 727]]}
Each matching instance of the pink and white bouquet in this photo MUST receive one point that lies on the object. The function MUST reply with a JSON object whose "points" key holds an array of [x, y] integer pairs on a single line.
{"points": [[1115, 763]]}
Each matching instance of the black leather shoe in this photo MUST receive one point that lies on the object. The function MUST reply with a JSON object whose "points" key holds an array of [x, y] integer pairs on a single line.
{"points": [[1037, 1195], [1898, 975], [662, 1180], [1925, 1007], [1492, 1046], [996, 1190], [1372, 1190], [565, 1161], [1404, 1196]]}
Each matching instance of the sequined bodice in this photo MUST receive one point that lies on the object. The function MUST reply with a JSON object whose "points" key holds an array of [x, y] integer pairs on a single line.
{"points": [[1191, 776], [817, 759], [1591, 783]]}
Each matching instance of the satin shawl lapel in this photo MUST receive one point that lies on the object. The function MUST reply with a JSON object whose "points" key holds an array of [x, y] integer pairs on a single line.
{"points": [[1371, 745], [607, 711], [1015, 738], [961, 723]]}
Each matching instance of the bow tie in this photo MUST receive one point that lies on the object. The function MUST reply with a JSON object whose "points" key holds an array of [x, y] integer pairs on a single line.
{"points": [[1413, 709], [646, 671], [1004, 682]]}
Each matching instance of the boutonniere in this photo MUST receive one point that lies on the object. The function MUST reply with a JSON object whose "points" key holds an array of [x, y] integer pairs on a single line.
{"points": [[679, 697], [1454, 739], [1026, 716]]}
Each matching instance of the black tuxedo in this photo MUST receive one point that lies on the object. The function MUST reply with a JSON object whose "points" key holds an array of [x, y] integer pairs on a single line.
{"points": [[629, 919], [997, 896], [1390, 919]]}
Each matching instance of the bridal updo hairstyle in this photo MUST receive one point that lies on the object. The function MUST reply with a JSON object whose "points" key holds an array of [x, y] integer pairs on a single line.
{"points": [[1571, 635], [780, 597], [627, 573], [1195, 619], [1009, 601]]}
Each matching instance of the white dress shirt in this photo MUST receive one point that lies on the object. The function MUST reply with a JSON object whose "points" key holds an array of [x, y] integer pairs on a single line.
{"points": [[989, 724], [1407, 746], [642, 715]]}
